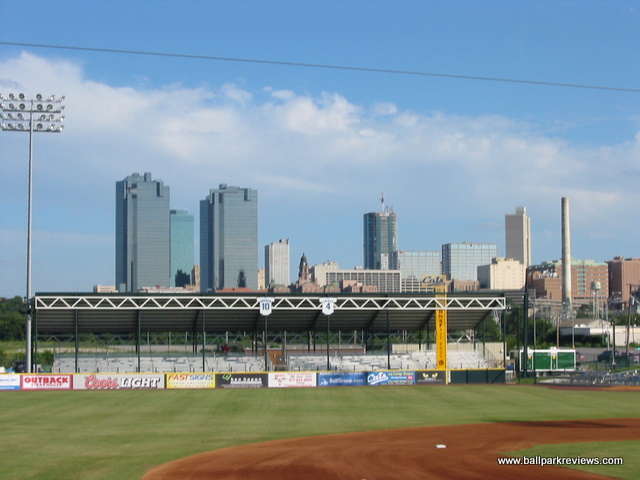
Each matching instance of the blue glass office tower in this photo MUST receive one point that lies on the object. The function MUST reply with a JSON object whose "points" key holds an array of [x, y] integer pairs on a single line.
{"points": [[181, 248], [380, 239], [142, 233], [229, 239]]}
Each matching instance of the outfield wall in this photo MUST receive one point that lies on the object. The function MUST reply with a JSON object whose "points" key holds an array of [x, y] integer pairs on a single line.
{"points": [[161, 381]]}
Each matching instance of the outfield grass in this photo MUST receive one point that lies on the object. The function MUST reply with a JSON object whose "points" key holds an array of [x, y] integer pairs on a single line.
{"points": [[628, 451], [120, 434]]}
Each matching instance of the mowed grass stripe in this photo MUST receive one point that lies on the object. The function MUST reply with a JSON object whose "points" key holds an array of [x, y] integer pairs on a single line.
{"points": [[120, 434]]}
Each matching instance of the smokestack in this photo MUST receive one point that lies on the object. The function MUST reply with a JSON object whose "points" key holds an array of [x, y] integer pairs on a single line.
{"points": [[566, 255]]}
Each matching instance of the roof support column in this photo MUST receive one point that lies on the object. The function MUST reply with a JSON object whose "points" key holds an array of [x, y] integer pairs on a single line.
{"points": [[138, 332], [204, 340], [75, 322]]}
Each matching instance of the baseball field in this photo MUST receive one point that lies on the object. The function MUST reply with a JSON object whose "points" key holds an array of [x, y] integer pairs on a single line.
{"points": [[129, 434]]}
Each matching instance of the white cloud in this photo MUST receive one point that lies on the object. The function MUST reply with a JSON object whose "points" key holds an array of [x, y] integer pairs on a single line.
{"points": [[317, 153]]}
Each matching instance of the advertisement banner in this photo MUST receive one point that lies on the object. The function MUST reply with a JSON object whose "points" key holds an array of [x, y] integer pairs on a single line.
{"points": [[9, 382], [431, 377], [241, 380], [118, 381], [441, 339], [346, 379], [191, 380], [292, 379], [391, 378], [45, 382]]}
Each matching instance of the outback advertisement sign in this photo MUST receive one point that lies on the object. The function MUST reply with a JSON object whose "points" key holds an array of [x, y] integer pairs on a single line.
{"points": [[191, 380], [241, 380], [118, 381], [45, 382]]}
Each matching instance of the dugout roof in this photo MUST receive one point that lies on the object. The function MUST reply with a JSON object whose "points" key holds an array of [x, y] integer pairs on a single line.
{"points": [[219, 313]]}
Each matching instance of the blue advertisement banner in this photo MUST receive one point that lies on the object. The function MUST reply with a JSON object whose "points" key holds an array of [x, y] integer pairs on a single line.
{"points": [[346, 379], [391, 378]]}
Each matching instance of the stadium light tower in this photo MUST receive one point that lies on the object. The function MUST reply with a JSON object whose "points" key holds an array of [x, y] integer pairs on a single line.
{"points": [[32, 115]]}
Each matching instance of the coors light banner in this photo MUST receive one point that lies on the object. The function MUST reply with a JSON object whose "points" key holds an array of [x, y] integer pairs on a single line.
{"points": [[118, 381]]}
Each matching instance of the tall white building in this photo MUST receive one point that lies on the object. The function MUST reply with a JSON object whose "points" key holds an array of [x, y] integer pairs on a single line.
{"points": [[517, 229], [502, 274], [276, 262]]}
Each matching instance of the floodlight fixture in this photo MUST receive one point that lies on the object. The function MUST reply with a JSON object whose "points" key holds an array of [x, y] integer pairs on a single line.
{"points": [[20, 118]]}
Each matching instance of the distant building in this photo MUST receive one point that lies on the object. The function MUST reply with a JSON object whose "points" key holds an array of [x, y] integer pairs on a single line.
{"points": [[229, 239], [414, 265], [104, 289], [195, 278], [387, 281], [502, 274], [460, 261], [517, 229], [319, 272], [546, 279], [182, 254], [276, 261], [305, 283], [142, 233], [352, 286], [457, 286], [380, 239], [624, 278]]}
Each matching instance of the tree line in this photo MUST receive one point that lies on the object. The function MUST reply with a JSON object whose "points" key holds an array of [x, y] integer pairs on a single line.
{"points": [[12, 319]]}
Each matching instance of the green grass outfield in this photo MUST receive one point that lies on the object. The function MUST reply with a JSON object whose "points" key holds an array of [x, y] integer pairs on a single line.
{"points": [[120, 434]]}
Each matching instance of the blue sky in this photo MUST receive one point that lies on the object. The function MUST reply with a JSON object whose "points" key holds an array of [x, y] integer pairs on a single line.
{"points": [[451, 155]]}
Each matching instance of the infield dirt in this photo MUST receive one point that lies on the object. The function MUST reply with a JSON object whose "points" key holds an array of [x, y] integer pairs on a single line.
{"points": [[471, 452]]}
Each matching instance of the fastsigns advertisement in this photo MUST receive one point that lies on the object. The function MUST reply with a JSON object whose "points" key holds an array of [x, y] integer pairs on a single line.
{"points": [[45, 382], [118, 381], [345, 379], [391, 378], [241, 380], [292, 379], [191, 380]]}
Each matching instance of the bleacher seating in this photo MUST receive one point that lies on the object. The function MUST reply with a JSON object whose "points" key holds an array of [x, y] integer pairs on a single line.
{"points": [[157, 364], [122, 363]]}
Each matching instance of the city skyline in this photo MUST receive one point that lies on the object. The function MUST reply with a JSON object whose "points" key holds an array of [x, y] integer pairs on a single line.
{"points": [[445, 117]]}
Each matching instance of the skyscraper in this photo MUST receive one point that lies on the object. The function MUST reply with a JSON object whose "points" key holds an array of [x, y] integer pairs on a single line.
{"points": [[181, 248], [517, 230], [460, 261], [415, 265], [276, 261], [142, 233], [380, 239], [229, 239]]}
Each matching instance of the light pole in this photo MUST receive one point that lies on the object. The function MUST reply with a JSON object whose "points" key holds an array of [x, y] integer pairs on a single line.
{"points": [[39, 114]]}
